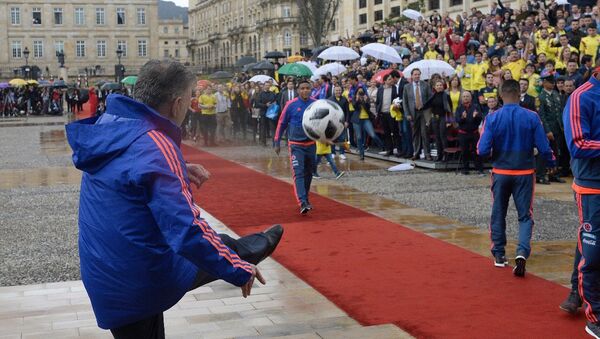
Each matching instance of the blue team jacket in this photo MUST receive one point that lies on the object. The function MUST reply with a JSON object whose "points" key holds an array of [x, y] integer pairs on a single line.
{"points": [[141, 238], [581, 119], [509, 136], [291, 120]]}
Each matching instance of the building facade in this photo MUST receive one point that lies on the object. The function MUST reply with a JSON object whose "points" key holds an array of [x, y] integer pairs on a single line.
{"points": [[222, 31], [172, 39], [87, 32]]}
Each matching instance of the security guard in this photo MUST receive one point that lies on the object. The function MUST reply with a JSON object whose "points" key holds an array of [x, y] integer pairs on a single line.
{"points": [[550, 111]]}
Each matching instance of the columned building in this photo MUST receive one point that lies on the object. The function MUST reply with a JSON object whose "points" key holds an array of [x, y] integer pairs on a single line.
{"points": [[222, 31], [88, 32], [172, 39]]}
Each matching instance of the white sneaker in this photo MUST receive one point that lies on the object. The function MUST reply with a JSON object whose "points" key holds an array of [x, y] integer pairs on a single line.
{"points": [[339, 175], [343, 156], [382, 153]]}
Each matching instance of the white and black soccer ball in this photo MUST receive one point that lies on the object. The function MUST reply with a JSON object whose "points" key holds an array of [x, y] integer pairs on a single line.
{"points": [[323, 121]]}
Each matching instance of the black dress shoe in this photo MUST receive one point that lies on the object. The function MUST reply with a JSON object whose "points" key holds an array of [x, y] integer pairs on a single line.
{"points": [[542, 181], [557, 179], [273, 235]]}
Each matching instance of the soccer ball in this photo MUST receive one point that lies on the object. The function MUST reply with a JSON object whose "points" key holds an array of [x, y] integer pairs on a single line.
{"points": [[323, 121]]}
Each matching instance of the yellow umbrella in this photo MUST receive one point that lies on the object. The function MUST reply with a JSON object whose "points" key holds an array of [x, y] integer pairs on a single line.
{"points": [[295, 58], [17, 82], [32, 82]]}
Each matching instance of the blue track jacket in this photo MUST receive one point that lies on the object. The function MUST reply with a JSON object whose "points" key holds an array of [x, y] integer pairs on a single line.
{"points": [[291, 119], [509, 136], [581, 119], [141, 237]]}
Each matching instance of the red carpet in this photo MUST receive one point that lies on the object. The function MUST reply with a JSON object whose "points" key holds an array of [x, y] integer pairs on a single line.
{"points": [[380, 272]]}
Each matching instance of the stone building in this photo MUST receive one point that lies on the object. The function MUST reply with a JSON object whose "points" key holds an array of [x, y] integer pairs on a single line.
{"points": [[172, 39], [88, 32]]}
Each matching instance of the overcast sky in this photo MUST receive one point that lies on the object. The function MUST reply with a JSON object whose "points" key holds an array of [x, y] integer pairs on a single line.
{"points": [[182, 3]]}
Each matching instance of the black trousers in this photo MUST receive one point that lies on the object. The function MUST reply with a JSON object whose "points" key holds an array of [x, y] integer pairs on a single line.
{"points": [[240, 122], [208, 127], [391, 133], [438, 123], [468, 147], [251, 248]]}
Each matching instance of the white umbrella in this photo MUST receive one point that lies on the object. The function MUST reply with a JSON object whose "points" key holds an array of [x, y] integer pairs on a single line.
{"points": [[261, 78], [335, 68], [412, 14], [339, 53], [311, 65], [381, 52], [430, 67], [562, 2]]}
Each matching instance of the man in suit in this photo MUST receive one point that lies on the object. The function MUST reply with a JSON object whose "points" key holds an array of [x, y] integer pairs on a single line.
{"points": [[385, 95], [414, 97], [287, 94], [526, 101]]}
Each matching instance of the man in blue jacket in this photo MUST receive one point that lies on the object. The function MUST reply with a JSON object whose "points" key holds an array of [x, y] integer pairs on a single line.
{"points": [[142, 242], [509, 136], [581, 119], [302, 149]]}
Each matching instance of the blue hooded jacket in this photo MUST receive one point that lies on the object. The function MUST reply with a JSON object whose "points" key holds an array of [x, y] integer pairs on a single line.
{"points": [[141, 237]]}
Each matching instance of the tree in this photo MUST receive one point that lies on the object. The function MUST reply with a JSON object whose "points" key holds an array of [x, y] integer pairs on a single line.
{"points": [[317, 17]]}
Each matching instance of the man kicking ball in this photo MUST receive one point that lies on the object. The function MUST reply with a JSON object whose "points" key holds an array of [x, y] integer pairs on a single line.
{"points": [[302, 149]]}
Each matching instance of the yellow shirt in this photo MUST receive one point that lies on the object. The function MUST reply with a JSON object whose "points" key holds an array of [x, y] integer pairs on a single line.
{"points": [[515, 68], [431, 55], [543, 46], [465, 80], [350, 105], [363, 114], [478, 73], [454, 99], [491, 40], [208, 100], [589, 46], [533, 82], [323, 148]]}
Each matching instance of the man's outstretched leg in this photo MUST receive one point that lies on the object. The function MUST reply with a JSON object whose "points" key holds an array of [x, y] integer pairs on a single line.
{"points": [[252, 248]]}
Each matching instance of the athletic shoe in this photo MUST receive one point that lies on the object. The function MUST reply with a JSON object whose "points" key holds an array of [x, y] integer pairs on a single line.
{"points": [[519, 269], [500, 260], [309, 206], [316, 176], [339, 175], [572, 303], [304, 208], [343, 156], [593, 329]]}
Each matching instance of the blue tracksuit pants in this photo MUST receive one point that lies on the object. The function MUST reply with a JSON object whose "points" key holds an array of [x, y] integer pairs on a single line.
{"points": [[589, 265], [521, 187], [302, 158]]}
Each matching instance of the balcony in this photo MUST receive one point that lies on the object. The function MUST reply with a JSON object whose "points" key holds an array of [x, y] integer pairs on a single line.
{"points": [[277, 22], [213, 36]]}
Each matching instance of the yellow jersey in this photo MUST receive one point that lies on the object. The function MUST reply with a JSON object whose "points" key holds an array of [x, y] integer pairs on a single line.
{"points": [[323, 148], [210, 101], [454, 99], [363, 114], [515, 68], [350, 105], [431, 55], [589, 46]]}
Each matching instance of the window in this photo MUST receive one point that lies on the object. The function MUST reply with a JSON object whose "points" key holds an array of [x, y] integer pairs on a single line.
{"points": [[141, 16], [176, 29], [120, 16], [15, 16], [142, 48], [122, 45], [177, 53], [101, 48], [176, 42], [16, 49], [79, 16], [362, 19], [303, 38], [287, 38], [166, 42], [59, 47], [166, 53], [80, 49], [378, 15], [38, 49], [333, 25], [36, 13], [166, 30], [100, 16], [362, 3], [286, 12], [395, 12], [58, 16], [455, 2], [434, 4], [378, 2]]}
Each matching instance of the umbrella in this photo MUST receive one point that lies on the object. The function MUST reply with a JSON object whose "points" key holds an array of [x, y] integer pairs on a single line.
{"points": [[248, 67], [129, 80], [430, 67], [203, 84], [17, 82], [297, 70], [109, 86], [335, 68], [4, 85], [245, 60], [412, 14], [32, 82], [100, 83], [562, 2], [275, 55], [221, 75], [262, 78], [378, 77], [339, 53], [366, 37], [316, 51], [263, 66], [311, 65], [44, 83], [295, 58], [381, 52], [60, 84]]}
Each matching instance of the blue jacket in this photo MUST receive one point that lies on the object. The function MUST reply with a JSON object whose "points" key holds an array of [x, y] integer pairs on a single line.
{"points": [[291, 120], [509, 135], [141, 237], [581, 119]]}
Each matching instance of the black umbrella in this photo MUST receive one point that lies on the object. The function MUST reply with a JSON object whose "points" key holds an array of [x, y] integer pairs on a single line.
{"points": [[318, 50], [59, 84], [366, 37], [248, 67], [275, 55], [110, 86], [221, 75], [245, 60], [263, 66]]}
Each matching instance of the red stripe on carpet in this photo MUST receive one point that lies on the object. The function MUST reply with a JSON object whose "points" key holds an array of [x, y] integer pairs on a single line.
{"points": [[381, 272]]}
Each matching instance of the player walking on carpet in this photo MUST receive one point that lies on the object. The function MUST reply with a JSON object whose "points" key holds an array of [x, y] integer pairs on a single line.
{"points": [[581, 119], [302, 149], [509, 136]]}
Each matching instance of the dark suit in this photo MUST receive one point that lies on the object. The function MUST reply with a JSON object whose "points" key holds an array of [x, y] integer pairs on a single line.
{"points": [[284, 97], [528, 102], [419, 117], [391, 135]]}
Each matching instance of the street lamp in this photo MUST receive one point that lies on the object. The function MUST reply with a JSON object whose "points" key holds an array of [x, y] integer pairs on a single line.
{"points": [[26, 55], [119, 67]]}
